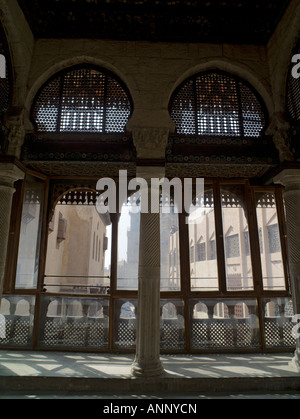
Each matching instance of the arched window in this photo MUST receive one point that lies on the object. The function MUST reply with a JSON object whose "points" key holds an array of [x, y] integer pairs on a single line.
{"points": [[217, 104], [293, 90], [84, 100]]}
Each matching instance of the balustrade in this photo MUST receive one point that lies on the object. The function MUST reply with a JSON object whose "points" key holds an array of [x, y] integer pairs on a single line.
{"points": [[17, 321], [74, 323]]}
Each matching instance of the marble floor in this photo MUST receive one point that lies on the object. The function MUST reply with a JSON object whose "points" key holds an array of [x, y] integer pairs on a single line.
{"points": [[86, 375]]}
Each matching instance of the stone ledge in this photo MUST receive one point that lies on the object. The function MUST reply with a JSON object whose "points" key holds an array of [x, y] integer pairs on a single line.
{"points": [[108, 373], [158, 385]]}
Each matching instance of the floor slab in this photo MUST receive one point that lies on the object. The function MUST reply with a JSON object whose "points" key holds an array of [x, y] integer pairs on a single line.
{"points": [[185, 375], [66, 364]]}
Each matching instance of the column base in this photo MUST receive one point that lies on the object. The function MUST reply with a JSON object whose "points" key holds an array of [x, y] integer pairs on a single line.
{"points": [[295, 363], [147, 370]]}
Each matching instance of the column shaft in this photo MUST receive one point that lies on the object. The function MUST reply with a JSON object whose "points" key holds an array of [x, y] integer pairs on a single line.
{"points": [[147, 362]]}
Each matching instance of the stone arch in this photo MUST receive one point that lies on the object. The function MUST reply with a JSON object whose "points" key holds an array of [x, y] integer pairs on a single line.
{"points": [[53, 308], [22, 308], [169, 311], [200, 311], [5, 307], [242, 71], [280, 54], [61, 191]]}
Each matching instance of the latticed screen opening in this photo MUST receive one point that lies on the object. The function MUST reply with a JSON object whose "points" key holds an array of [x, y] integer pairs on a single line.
{"points": [[293, 93], [82, 100], [217, 105]]}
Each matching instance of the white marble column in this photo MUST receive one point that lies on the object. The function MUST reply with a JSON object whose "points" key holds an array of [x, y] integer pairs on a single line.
{"points": [[9, 174], [290, 179], [147, 362]]}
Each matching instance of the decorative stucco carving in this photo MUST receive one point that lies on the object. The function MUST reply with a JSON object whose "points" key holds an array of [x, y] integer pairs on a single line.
{"points": [[12, 134], [16, 136], [280, 130], [150, 143]]}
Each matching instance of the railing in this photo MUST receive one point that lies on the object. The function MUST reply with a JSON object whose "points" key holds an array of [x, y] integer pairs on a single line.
{"points": [[74, 332], [68, 322], [172, 336], [74, 322], [17, 321], [224, 334], [278, 332], [125, 333], [76, 288]]}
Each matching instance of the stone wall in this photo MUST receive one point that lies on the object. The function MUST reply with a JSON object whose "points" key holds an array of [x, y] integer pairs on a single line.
{"points": [[150, 70]]}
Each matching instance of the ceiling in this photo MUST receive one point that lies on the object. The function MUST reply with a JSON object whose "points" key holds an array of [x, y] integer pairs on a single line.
{"points": [[215, 21]]}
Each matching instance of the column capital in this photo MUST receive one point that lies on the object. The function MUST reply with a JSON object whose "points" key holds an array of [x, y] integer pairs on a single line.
{"points": [[150, 132], [9, 174], [16, 138], [13, 133], [290, 178], [150, 142]]}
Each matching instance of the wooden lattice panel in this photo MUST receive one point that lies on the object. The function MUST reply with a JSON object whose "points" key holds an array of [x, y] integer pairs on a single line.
{"points": [[278, 333], [223, 334], [215, 104], [82, 100], [172, 336], [126, 334]]}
